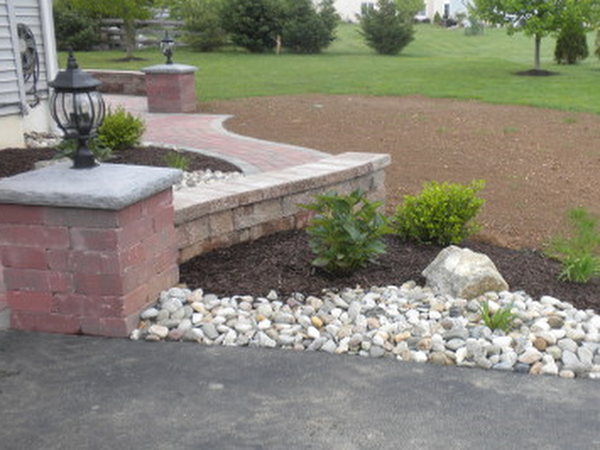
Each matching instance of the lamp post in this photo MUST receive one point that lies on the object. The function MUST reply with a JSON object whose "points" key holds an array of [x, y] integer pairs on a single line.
{"points": [[167, 46], [78, 109]]}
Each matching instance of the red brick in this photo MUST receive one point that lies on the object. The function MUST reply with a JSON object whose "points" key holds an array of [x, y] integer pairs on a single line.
{"points": [[135, 276], [164, 219], [98, 284], [157, 203], [58, 259], [24, 257], [76, 217], [48, 323], [163, 281], [133, 256], [136, 300], [36, 280], [98, 262], [135, 232], [165, 261], [88, 305], [34, 236], [101, 306], [94, 238], [159, 242], [130, 214], [21, 214], [110, 327], [29, 301]]}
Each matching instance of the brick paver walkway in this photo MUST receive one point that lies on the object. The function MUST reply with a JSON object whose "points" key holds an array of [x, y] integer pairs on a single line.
{"points": [[205, 133]]}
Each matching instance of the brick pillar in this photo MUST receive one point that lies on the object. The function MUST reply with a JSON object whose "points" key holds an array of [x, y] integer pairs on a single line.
{"points": [[86, 250], [170, 88]]}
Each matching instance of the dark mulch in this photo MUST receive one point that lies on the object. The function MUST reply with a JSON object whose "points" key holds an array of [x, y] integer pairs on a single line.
{"points": [[282, 262], [16, 160], [537, 73]]}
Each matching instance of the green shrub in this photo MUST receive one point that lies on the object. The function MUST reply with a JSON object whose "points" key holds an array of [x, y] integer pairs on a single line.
{"points": [[578, 254], [442, 214], [437, 19], [346, 232], [501, 319], [307, 28], [385, 28], [177, 160], [68, 147], [475, 27], [121, 130], [571, 43], [202, 24], [252, 24], [74, 29]]}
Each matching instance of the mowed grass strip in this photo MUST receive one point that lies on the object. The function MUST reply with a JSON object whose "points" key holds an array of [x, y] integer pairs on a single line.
{"points": [[438, 63]]}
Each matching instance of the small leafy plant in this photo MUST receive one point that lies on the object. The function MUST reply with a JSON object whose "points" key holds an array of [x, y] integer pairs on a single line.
{"points": [[442, 214], [501, 319], [346, 232], [68, 147], [121, 130], [177, 160], [579, 253]]}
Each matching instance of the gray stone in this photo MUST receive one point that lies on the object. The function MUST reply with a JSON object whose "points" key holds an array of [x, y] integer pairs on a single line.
{"points": [[463, 273], [456, 333], [455, 344], [265, 341], [530, 356], [150, 313], [210, 331], [568, 345], [106, 186], [159, 330]]}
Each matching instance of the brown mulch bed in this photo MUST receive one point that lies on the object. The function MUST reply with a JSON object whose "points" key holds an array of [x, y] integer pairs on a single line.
{"points": [[17, 160], [282, 262]]}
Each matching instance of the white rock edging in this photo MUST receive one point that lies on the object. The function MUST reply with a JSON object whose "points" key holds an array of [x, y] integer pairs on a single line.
{"points": [[408, 323]]}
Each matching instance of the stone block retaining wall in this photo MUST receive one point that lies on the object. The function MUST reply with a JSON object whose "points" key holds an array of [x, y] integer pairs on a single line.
{"points": [[243, 210], [121, 82]]}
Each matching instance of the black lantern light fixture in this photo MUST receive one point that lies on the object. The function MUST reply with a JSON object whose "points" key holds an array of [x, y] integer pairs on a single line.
{"points": [[78, 109], [167, 46]]}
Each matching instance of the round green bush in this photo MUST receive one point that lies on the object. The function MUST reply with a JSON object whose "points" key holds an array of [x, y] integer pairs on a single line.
{"points": [[442, 214], [120, 130]]}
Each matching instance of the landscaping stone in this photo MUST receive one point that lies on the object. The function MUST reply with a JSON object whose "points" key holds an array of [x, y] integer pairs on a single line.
{"points": [[388, 322], [463, 273]]}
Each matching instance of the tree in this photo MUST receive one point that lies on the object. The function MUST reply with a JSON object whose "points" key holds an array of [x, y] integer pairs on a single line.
{"points": [[127, 10], [201, 22], [571, 43], [385, 28], [537, 18], [306, 28], [74, 30], [253, 24]]}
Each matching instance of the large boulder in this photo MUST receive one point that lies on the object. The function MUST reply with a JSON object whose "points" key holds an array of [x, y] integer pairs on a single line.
{"points": [[463, 273]]}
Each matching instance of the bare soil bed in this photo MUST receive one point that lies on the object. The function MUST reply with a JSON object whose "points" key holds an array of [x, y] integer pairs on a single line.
{"points": [[537, 164]]}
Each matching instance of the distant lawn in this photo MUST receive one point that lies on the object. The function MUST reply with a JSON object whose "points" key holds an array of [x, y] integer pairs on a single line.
{"points": [[438, 63]]}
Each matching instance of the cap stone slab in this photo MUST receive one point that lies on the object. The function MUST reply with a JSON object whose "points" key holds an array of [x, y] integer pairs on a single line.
{"points": [[106, 186]]}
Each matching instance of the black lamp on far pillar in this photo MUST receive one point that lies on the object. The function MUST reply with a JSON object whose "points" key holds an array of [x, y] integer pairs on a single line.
{"points": [[167, 46], [78, 109]]}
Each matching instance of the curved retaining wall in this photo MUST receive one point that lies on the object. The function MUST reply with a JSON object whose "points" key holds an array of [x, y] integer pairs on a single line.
{"points": [[210, 217]]}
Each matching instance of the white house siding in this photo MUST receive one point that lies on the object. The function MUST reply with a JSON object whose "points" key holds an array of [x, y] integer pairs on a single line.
{"points": [[22, 110], [348, 9]]}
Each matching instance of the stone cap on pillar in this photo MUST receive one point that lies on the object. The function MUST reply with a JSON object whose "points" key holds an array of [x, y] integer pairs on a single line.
{"points": [[107, 186], [170, 68]]}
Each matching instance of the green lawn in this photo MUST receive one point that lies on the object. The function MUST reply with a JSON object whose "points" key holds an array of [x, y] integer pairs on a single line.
{"points": [[438, 63]]}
